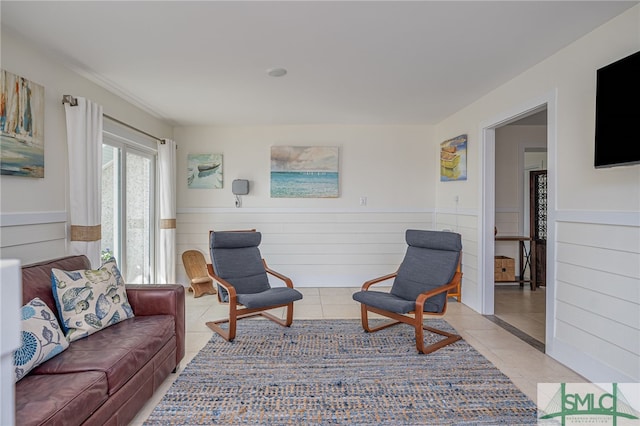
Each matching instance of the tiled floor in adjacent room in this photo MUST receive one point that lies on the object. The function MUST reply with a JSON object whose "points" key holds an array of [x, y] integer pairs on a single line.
{"points": [[523, 364], [522, 308]]}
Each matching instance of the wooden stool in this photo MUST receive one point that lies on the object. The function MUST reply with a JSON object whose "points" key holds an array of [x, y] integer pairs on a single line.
{"points": [[196, 267]]}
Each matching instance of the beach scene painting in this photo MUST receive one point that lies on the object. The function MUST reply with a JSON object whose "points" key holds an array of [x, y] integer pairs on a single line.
{"points": [[204, 171], [304, 172], [453, 159], [21, 126]]}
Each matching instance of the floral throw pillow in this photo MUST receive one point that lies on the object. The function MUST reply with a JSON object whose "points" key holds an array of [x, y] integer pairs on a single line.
{"points": [[42, 338], [90, 300]]}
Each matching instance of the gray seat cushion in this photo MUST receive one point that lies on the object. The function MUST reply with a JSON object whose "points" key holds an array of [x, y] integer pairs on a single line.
{"points": [[385, 301], [271, 297]]}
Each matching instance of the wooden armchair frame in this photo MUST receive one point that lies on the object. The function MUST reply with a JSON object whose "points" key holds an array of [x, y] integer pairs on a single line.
{"points": [[415, 317], [236, 314]]}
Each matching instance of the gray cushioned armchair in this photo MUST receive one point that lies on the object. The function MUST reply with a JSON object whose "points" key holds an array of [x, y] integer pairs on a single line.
{"points": [[430, 269], [241, 275]]}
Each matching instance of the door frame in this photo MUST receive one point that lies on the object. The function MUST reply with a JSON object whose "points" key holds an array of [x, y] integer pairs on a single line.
{"points": [[487, 190]]}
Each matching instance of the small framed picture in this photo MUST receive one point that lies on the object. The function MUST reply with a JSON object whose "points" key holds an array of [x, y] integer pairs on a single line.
{"points": [[453, 159], [204, 171]]}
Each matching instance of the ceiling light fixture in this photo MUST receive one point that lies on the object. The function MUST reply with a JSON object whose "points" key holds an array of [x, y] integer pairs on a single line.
{"points": [[276, 72]]}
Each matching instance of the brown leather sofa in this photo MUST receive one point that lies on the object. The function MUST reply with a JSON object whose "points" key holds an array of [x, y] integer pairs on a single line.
{"points": [[105, 378]]}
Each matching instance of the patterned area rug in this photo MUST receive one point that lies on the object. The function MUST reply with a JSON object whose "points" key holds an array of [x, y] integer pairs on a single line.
{"points": [[332, 372]]}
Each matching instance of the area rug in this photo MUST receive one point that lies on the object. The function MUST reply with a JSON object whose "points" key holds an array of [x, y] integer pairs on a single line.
{"points": [[330, 372]]}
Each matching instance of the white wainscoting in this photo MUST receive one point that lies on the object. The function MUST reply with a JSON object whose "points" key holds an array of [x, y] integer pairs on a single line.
{"points": [[598, 294], [33, 237], [315, 248], [465, 222]]}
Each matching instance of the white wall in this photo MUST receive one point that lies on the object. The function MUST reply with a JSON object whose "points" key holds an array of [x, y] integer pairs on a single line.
{"points": [[390, 165], [511, 142], [317, 242], [33, 212], [593, 322]]}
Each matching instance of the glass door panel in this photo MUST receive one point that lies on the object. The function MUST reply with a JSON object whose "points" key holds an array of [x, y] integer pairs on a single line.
{"points": [[110, 202], [138, 219], [128, 209]]}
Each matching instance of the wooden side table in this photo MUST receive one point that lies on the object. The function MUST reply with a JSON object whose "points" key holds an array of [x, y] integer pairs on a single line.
{"points": [[527, 258]]}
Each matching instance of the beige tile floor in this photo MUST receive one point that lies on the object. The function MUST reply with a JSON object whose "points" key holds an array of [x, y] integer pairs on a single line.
{"points": [[522, 308], [524, 365]]}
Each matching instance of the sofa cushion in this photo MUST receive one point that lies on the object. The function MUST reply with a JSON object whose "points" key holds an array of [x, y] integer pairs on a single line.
{"points": [[119, 351], [42, 338], [90, 300], [36, 278], [59, 399]]}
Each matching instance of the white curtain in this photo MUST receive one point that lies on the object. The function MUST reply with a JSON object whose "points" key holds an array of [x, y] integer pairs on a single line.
{"points": [[167, 196], [84, 142]]}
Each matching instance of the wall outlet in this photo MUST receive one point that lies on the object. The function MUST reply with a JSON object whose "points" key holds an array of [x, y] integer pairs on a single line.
{"points": [[363, 201]]}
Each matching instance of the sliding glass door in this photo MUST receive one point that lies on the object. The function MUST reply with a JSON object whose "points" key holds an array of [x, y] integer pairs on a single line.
{"points": [[128, 209]]}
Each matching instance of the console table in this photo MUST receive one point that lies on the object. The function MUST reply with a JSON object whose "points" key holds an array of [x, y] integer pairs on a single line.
{"points": [[527, 258], [10, 340]]}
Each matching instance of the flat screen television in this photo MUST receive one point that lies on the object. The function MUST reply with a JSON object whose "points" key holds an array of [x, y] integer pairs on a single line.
{"points": [[618, 113]]}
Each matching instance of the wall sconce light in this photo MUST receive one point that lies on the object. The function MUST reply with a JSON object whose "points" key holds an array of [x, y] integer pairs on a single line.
{"points": [[239, 187]]}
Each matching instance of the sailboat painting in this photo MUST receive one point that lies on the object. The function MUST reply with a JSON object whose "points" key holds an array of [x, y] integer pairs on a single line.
{"points": [[21, 126], [204, 171], [304, 172]]}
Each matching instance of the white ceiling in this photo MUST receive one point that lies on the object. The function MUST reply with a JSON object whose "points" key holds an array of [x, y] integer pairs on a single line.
{"points": [[348, 62]]}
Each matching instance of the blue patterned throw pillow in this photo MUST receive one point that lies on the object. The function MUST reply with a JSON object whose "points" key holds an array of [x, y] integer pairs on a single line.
{"points": [[42, 338], [90, 300]]}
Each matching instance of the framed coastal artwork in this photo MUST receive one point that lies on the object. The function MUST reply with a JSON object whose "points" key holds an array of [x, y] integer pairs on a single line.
{"points": [[453, 159], [204, 171], [304, 172], [21, 126]]}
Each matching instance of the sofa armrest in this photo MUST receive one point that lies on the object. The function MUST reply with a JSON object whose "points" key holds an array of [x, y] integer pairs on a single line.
{"points": [[161, 299]]}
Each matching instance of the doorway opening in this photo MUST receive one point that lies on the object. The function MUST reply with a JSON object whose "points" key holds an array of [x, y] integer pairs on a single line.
{"points": [[520, 209], [520, 143]]}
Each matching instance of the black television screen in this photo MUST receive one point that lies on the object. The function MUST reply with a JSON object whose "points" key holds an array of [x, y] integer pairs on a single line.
{"points": [[618, 113]]}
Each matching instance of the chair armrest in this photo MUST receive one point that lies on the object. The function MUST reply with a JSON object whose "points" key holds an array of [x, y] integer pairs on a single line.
{"points": [[231, 291], [161, 299], [369, 283], [278, 275], [422, 297]]}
